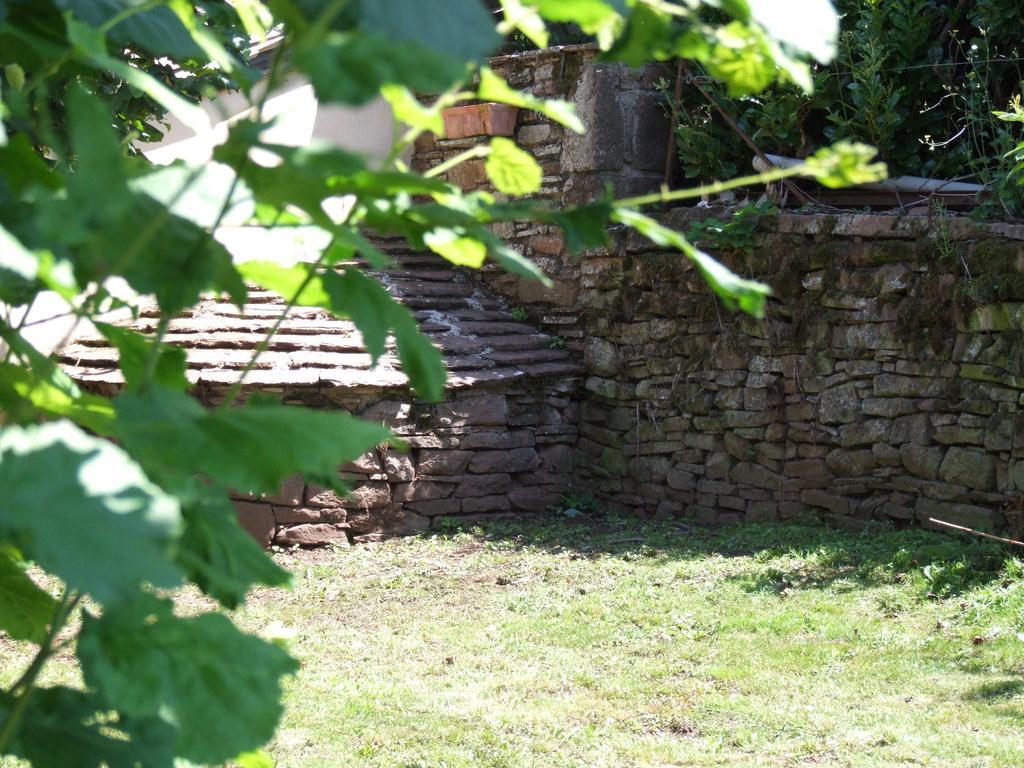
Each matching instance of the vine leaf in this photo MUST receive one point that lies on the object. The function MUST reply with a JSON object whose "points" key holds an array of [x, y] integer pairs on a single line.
{"points": [[65, 728], [174, 437], [219, 556], [219, 686], [82, 508], [512, 170], [25, 609], [135, 350]]}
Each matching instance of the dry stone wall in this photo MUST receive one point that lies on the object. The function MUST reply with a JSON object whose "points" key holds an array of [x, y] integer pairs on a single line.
{"points": [[886, 382], [485, 452]]}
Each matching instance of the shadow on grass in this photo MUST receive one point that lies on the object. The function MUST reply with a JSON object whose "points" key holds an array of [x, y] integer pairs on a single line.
{"points": [[997, 690], [794, 555]]}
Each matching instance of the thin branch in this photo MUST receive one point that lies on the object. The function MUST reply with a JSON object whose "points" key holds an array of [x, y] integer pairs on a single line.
{"points": [[973, 532], [481, 150], [667, 195]]}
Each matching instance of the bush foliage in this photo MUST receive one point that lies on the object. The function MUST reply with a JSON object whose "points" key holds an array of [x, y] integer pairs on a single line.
{"points": [[918, 79]]}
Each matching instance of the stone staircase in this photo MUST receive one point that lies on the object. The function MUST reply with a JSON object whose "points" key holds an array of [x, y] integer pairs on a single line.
{"points": [[500, 442]]}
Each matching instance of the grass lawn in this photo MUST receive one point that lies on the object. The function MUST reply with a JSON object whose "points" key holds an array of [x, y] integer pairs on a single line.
{"points": [[619, 643]]}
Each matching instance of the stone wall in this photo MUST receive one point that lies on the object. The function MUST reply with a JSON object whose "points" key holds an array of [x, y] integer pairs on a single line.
{"points": [[482, 452], [886, 382]]}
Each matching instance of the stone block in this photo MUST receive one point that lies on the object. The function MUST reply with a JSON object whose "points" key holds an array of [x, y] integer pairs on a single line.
{"points": [[486, 504], [525, 499], [812, 470], [367, 464], [483, 485], [754, 475], [288, 515], [600, 356], [257, 520], [972, 469], [999, 431], [865, 433], [818, 498], [602, 145], [311, 535], [514, 460], [762, 512], [442, 462], [373, 495], [889, 407], [432, 507], [968, 515], [921, 460], [422, 490], [681, 480], [958, 435], [650, 132], [839, 405], [886, 455], [290, 494], [557, 459], [486, 410], [892, 385], [717, 465], [493, 440], [912, 429], [851, 463], [398, 467]]}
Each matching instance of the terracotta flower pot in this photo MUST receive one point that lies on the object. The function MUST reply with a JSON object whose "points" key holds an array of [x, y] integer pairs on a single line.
{"points": [[479, 120]]}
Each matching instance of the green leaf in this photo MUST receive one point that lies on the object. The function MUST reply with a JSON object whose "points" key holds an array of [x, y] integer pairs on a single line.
{"points": [[408, 109], [514, 262], [462, 30], [648, 35], [65, 728], [512, 170], [91, 49], [254, 760], [18, 270], [734, 290], [493, 88], [846, 164], [135, 351], [23, 169], [256, 18], [99, 180], [459, 250], [362, 299], [156, 30], [25, 609], [222, 688], [585, 226], [591, 16], [526, 20], [82, 509], [26, 394], [742, 59], [219, 556], [174, 437]]}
